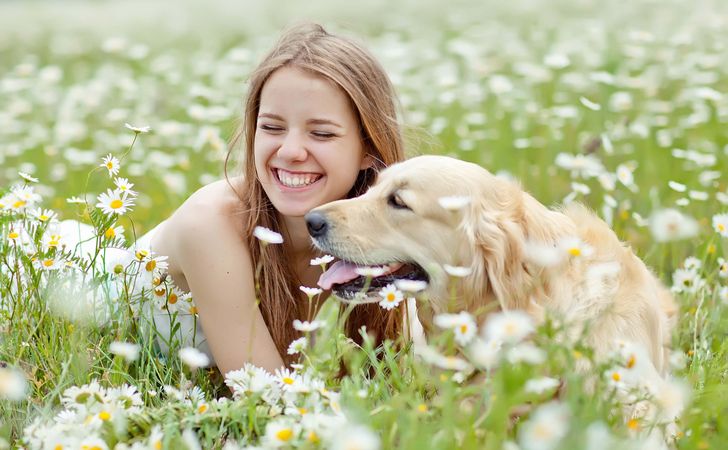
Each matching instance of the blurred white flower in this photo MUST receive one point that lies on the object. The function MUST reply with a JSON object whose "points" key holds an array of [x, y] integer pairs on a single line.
{"points": [[411, 286], [13, 385], [297, 346], [193, 358], [143, 129], [323, 260], [548, 424], [267, 236], [127, 350], [525, 352], [454, 202], [720, 224], [371, 271], [686, 281], [485, 354], [457, 271], [356, 437], [306, 326], [671, 225], [27, 177], [463, 325], [508, 326], [590, 104], [541, 385], [310, 292], [677, 187], [574, 247], [692, 263]]}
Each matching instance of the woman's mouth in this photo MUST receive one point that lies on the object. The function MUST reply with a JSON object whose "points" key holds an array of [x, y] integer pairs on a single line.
{"points": [[296, 180]]}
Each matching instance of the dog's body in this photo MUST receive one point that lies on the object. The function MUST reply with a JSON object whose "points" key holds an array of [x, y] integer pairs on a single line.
{"points": [[508, 239]]}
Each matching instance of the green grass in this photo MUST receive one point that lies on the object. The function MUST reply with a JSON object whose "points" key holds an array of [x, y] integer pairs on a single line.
{"points": [[66, 91]]}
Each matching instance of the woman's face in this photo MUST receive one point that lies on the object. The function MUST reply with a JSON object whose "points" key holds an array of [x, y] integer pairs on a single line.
{"points": [[308, 149]]}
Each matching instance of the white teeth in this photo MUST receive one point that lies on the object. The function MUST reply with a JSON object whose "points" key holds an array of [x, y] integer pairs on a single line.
{"points": [[291, 180]]}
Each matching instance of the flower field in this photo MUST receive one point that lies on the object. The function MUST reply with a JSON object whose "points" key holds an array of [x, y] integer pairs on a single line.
{"points": [[112, 113]]}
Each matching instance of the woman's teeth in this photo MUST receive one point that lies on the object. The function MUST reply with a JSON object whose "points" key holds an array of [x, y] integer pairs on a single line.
{"points": [[296, 180]]}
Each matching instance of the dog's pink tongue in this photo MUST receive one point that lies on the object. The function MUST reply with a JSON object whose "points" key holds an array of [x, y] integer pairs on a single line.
{"points": [[339, 272]]}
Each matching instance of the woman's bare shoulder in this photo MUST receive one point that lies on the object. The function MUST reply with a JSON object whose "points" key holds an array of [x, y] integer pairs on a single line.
{"points": [[211, 213]]}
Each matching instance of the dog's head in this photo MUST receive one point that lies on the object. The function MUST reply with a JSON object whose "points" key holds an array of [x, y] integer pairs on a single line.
{"points": [[400, 224]]}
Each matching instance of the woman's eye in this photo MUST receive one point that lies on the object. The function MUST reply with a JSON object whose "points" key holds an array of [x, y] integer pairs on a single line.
{"points": [[395, 202], [323, 134], [270, 128]]}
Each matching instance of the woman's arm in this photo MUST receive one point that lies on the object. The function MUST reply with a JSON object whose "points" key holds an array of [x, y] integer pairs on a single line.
{"points": [[217, 266]]}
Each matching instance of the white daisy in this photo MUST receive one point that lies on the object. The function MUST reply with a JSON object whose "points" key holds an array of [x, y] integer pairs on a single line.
{"points": [[114, 202], [44, 215], [267, 236], [463, 325], [111, 163], [281, 433], [355, 437], [322, 261], [545, 428], [298, 345], [410, 285], [541, 385], [626, 177], [127, 350], [27, 177], [672, 225], [391, 297], [457, 271], [193, 358], [13, 385], [306, 326], [720, 224], [574, 247], [123, 185], [454, 202], [508, 326], [692, 263], [310, 292], [371, 271], [49, 263], [722, 268], [143, 129], [686, 281]]}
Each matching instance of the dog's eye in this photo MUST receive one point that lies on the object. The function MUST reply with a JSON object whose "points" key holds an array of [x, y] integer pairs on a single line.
{"points": [[395, 202]]}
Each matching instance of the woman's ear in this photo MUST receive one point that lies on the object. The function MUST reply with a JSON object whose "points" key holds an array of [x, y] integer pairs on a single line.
{"points": [[367, 162]]}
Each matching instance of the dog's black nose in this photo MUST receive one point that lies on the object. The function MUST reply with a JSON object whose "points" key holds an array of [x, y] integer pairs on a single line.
{"points": [[316, 223]]}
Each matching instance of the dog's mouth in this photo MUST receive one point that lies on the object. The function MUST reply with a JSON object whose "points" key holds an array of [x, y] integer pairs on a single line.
{"points": [[351, 281]]}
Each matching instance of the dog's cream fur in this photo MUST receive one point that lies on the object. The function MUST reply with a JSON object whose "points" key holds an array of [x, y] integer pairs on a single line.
{"points": [[610, 291]]}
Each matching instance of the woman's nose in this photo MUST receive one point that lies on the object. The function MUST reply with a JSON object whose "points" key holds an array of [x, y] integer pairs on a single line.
{"points": [[293, 148]]}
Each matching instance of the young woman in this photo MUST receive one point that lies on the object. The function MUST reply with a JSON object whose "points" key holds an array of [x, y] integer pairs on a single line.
{"points": [[320, 121]]}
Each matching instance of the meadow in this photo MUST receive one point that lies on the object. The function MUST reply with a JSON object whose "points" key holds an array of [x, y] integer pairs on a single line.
{"points": [[112, 113]]}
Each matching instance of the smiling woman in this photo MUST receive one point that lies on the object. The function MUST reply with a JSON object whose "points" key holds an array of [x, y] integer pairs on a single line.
{"points": [[320, 121]]}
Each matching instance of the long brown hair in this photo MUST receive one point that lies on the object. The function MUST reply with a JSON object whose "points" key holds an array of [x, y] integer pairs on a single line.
{"points": [[346, 63]]}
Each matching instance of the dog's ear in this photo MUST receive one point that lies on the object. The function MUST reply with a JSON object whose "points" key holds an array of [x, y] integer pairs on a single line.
{"points": [[498, 228]]}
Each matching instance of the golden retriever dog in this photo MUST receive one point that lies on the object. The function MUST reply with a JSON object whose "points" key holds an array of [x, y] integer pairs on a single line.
{"points": [[521, 254]]}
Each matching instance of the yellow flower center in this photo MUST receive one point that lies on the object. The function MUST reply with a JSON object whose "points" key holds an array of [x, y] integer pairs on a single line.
{"points": [[172, 298], [193, 310], [13, 235], [287, 380], [202, 408], [58, 447], [285, 434], [577, 354], [633, 424], [575, 251], [151, 265], [118, 269], [141, 254], [116, 204], [160, 291], [109, 165], [48, 262], [302, 411], [631, 361], [720, 227], [463, 329], [313, 437], [111, 232], [711, 249], [104, 415], [391, 297], [43, 217], [19, 204], [616, 376], [510, 328], [422, 408], [158, 444]]}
